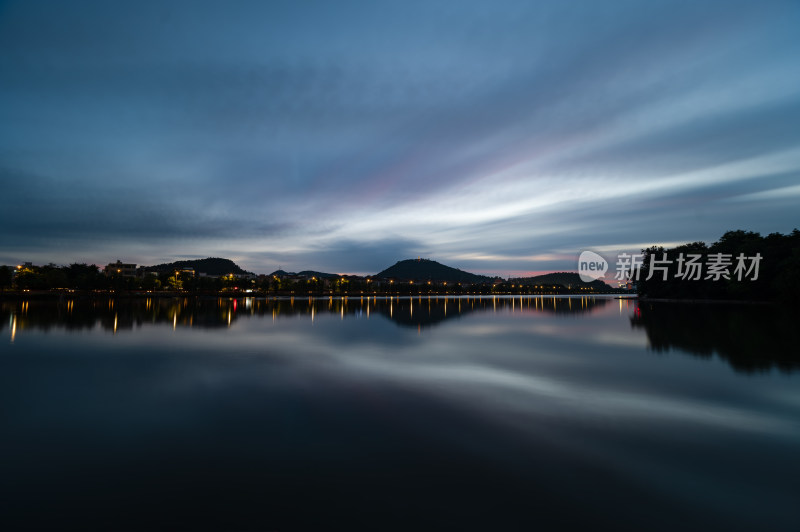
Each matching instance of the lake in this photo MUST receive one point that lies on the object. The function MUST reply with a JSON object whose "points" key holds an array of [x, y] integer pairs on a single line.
{"points": [[493, 413]]}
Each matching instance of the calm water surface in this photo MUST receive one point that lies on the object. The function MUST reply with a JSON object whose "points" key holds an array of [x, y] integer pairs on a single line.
{"points": [[423, 413]]}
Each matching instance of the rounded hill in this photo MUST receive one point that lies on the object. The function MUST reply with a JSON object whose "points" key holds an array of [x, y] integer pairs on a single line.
{"points": [[429, 270]]}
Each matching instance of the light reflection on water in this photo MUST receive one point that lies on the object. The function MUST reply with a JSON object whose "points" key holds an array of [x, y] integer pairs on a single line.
{"points": [[180, 312], [479, 412]]}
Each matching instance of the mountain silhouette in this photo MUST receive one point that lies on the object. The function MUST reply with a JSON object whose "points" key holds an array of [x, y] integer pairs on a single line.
{"points": [[429, 270], [304, 273], [565, 279], [211, 266]]}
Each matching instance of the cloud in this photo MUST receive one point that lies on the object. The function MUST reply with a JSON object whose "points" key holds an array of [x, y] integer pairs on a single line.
{"points": [[324, 134], [40, 211]]}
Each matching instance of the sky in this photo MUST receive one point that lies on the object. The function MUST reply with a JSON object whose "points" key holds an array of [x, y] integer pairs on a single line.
{"points": [[498, 137]]}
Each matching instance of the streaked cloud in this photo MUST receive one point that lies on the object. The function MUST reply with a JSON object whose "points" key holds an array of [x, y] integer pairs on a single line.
{"points": [[500, 137]]}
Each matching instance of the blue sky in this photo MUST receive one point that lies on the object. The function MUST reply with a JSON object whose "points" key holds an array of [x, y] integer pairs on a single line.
{"points": [[498, 137]]}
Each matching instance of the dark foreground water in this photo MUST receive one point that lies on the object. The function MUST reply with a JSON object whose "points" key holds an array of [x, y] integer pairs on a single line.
{"points": [[375, 414]]}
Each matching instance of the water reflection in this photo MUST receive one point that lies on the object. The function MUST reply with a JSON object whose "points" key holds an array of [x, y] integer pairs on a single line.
{"points": [[120, 315], [507, 414], [749, 337]]}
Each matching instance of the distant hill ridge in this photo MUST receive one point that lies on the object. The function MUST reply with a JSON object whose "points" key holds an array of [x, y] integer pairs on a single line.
{"points": [[429, 270], [211, 266], [404, 270], [304, 273], [565, 279]]}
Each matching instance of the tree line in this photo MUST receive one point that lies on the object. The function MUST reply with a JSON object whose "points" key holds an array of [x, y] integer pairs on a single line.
{"points": [[741, 265], [88, 277]]}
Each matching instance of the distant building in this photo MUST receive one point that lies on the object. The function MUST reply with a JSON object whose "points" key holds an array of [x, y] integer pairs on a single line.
{"points": [[120, 268]]}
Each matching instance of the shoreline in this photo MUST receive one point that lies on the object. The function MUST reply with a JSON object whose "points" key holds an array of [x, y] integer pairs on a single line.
{"points": [[63, 295], [17, 295]]}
